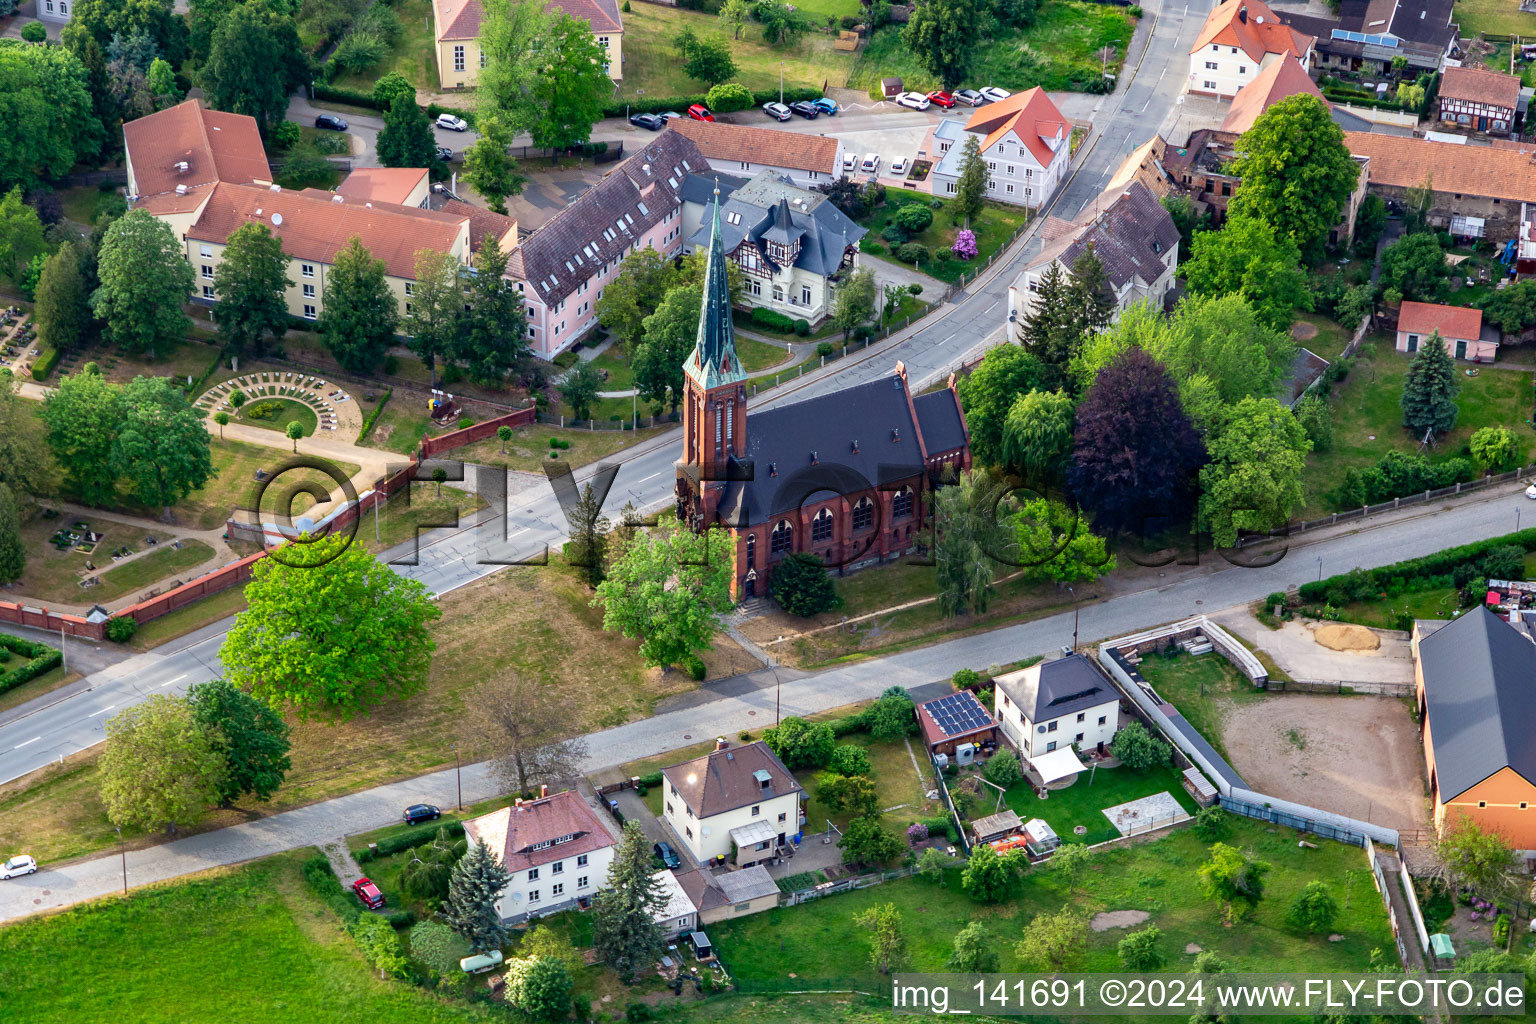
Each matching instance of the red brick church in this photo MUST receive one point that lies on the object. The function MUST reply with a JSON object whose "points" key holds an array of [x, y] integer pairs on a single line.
{"points": [[846, 476]]}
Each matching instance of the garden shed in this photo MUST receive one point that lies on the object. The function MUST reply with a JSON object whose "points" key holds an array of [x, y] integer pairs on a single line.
{"points": [[995, 826]]}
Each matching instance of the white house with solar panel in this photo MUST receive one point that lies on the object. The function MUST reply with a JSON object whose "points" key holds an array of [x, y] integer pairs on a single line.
{"points": [[955, 722], [1052, 710]]}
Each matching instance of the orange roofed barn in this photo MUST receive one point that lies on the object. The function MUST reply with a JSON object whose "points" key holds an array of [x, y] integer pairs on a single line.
{"points": [[1476, 682], [1241, 38]]}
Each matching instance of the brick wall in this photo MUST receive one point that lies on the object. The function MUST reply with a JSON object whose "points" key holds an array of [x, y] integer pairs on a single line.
{"points": [[42, 618], [431, 446]]}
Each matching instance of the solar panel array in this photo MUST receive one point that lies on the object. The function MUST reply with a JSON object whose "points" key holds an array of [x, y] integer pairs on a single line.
{"points": [[959, 713], [1362, 37]]}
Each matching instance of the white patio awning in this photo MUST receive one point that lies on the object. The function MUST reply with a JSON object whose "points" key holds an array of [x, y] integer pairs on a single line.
{"points": [[752, 833], [1057, 764]]}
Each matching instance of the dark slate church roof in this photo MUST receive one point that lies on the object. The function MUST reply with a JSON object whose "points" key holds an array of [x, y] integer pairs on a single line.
{"points": [[1480, 690], [939, 418], [769, 207], [874, 416]]}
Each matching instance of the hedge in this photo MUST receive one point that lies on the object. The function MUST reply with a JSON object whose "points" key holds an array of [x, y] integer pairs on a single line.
{"points": [[323, 881], [1441, 563], [773, 320], [43, 365], [41, 659], [942, 825], [359, 98], [362, 435], [411, 838], [651, 781]]}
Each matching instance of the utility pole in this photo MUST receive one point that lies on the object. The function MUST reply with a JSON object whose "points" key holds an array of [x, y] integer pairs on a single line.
{"points": [[123, 852], [781, 83], [64, 651], [1073, 592], [457, 775]]}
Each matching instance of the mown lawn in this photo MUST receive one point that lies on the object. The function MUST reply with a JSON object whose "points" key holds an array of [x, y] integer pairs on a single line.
{"points": [[276, 414], [1203, 688], [529, 450], [188, 618], [820, 941], [652, 69], [902, 790], [158, 565], [1330, 339], [1083, 802], [1367, 416], [1059, 51], [1498, 17], [994, 226], [254, 935]]}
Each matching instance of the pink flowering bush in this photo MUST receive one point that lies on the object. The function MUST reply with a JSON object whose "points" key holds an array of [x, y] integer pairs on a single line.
{"points": [[917, 832], [965, 244]]}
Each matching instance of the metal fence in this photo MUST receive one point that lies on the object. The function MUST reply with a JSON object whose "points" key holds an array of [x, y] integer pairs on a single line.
{"points": [[1341, 686], [955, 816], [1289, 820], [842, 885], [869, 986]]}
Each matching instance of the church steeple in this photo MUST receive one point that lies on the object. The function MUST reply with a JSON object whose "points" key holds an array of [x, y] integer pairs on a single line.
{"points": [[713, 362]]}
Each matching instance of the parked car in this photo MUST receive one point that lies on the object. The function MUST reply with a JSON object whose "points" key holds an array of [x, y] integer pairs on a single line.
{"points": [[899, 167], [444, 154], [871, 164], [995, 94], [418, 813], [699, 112], [669, 115], [777, 111], [331, 123], [940, 98], [369, 893], [668, 855], [806, 109], [650, 121], [826, 106], [1530, 492], [970, 97], [850, 163], [17, 866], [452, 123], [915, 100]]}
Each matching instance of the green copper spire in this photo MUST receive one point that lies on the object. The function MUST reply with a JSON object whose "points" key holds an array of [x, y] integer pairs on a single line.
{"points": [[713, 362]]}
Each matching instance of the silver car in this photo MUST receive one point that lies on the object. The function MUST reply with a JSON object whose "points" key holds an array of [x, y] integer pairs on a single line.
{"points": [[969, 97]]}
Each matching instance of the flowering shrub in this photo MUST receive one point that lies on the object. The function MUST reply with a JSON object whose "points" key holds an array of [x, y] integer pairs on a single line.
{"points": [[917, 832], [965, 244]]}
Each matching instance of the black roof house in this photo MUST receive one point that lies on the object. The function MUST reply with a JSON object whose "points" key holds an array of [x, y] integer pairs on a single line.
{"points": [[1055, 688], [1480, 699]]}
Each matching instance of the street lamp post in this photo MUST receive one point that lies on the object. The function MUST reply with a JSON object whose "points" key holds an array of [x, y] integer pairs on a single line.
{"points": [[1319, 567], [1073, 592], [122, 852], [781, 83], [458, 776]]}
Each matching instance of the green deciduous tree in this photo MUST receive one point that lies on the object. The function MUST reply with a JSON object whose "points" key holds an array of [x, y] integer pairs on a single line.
{"points": [[1316, 418], [579, 387], [986, 877], [1003, 769], [407, 139], [782, 26], [734, 15], [644, 278], [159, 767], [1037, 436], [330, 631], [942, 35], [437, 304], [855, 794], [100, 20], [1513, 309], [25, 461], [511, 40], [973, 951], [252, 738], [145, 278], [1053, 542], [255, 59], [728, 97], [865, 841], [161, 444], [849, 759], [707, 59], [1429, 390], [892, 716], [360, 313], [1495, 449], [82, 416], [488, 166], [1235, 879], [802, 586], [1139, 950], [572, 84], [21, 235], [13, 553], [1253, 480], [62, 310], [1054, 942], [669, 335], [668, 590], [801, 744], [391, 87], [380, 945], [540, 987], [624, 929], [1415, 266], [988, 392], [1481, 858], [1138, 749], [1187, 219], [1313, 910], [1249, 257], [251, 282], [588, 545], [854, 304], [970, 541], [492, 336], [1070, 861], [44, 87], [1297, 173], [887, 946], [473, 888]]}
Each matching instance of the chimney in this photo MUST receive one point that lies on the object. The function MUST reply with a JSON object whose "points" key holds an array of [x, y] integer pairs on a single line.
{"points": [[182, 167], [721, 743], [543, 791], [518, 803], [1242, 14]]}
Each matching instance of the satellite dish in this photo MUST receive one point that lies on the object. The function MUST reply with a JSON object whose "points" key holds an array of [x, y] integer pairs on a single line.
{"points": [[277, 220]]}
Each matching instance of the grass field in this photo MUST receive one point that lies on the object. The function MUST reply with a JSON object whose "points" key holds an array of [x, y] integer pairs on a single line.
{"points": [[994, 226], [820, 941], [1203, 688], [158, 565], [1330, 339], [1498, 17], [1367, 419], [901, 788], [411, 57], [528, 450], [755, 355], [276, 414], [1059, 51], [652, 68], [1083, 802], [255, 934], [187, 618]]}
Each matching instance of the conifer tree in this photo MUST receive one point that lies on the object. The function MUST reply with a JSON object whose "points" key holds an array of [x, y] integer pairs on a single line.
{"points": [[1429, 390], [476, 882], [624, 928], [13, 554]]}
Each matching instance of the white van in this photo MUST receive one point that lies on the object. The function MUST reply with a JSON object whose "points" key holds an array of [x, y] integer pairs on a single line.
{"points": [[871, 164]]}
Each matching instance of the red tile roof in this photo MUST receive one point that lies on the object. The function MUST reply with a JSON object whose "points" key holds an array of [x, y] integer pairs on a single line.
{"points": [[537, 832], [461, 19], [1029, 114], [482, 222], [1491, 171], [381, 184], [723, 780], [1453, 322], [1281, 79], [317, 229], [767, 146], [1253, 28], [213, 145], [1480, 86]]}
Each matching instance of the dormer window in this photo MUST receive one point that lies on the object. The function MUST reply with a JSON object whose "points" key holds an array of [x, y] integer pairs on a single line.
{"points": [[895, 435], [855, 446], [813, 457]]}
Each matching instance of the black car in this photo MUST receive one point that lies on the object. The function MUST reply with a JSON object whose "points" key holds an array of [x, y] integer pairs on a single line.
{"points": [[806, 109], [444, 154], [667, 855], [330, 122], [651, 121], [418, 813]]}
